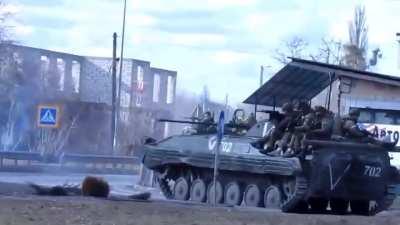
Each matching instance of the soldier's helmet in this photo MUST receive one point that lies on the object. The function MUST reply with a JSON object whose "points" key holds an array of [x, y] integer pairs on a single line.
{"points": [[319, 110], [287, 107], [302, 105], [207, 114], [354, 112]]}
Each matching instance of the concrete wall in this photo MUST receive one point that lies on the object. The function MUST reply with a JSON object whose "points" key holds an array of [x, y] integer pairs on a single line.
{"points": [[51, 76]]}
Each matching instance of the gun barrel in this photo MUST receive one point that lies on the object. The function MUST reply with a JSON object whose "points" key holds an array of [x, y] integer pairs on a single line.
{"points": [[202, 123], [185, 121]]}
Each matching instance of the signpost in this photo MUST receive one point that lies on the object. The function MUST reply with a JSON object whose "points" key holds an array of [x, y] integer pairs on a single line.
{"points": [[220, 135], [48, 116]]}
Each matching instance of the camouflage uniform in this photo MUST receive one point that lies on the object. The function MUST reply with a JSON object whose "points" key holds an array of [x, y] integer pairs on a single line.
{"points": [[351, 130], [304, 124], [323, 124], [207, 127], [280, 131]]}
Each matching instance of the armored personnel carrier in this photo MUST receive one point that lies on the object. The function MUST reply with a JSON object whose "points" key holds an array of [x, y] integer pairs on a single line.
{"points": [[340, 177]]}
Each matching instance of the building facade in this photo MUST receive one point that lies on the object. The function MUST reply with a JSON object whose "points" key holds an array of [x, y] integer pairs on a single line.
{"points": [[82, 87]]}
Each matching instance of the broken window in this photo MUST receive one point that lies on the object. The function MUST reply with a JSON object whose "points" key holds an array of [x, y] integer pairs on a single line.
{"points": [[139, 100], [156, 88], [124, 116], [126, 85], [140, 79], [170, 90], [125, 98], [61, 73], [44, 70], [127, 76], [76, 74]]}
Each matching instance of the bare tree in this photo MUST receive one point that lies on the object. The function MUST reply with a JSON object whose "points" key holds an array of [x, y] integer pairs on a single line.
{"points": [[330, 51], [356, 49], [4, 28], [293, 47]]}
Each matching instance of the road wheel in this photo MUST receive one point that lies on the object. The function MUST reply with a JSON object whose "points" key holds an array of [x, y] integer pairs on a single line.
{"points": [[272, 197], [219, 193], [198, 191], [339, 206], [289, 187], [359, 207], [233, 194], [318, 205], [181, 189], [252, 196]]}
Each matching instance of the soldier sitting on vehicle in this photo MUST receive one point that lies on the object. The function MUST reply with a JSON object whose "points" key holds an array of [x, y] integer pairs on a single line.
{"points": [[303, 124], [278, 132], [352, 131], [323, 124], [207, 124], [238, 125]]}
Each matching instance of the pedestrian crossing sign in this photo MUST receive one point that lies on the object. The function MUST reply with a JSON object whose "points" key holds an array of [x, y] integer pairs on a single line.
{"points": [[48, 116]]}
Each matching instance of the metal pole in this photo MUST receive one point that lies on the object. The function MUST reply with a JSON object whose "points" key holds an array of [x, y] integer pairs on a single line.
{"points": [[339, 97], [216, 170], [261, 75], [330, 90], [220, 135], [398, 50], [114, 93], [121, 62]]}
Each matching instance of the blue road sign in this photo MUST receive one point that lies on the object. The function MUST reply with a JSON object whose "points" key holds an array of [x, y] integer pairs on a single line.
{"points": [[48, 116]]}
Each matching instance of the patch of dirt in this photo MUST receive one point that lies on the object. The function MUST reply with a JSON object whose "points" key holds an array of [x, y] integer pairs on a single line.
{"points": [[34, 210]]}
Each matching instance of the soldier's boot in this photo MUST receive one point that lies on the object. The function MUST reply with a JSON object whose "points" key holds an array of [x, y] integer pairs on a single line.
{"points": [[258, 144], [289, 152], [276, 152]]}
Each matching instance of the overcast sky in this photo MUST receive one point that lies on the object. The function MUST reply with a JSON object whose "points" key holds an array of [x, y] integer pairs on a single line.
{"points": [[218, 43]]}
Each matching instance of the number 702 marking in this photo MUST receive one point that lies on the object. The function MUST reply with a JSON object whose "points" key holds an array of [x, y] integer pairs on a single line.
{"points": [[372, 171]]}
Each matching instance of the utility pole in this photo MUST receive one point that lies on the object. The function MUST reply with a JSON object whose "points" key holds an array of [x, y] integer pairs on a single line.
{"points": [[114, 90], [121, 62], [261, 75], [398, 50]]}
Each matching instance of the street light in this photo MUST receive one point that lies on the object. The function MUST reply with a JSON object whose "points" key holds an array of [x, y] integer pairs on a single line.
{"points": [[398, 49], [121, 62], [262, 74]]}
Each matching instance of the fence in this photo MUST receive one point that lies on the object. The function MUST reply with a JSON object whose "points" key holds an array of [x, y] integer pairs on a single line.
{"points": [[63, 160]]}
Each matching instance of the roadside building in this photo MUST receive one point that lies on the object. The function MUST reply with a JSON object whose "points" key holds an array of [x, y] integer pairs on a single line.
{"points": [[82, 87], [339, 89]]}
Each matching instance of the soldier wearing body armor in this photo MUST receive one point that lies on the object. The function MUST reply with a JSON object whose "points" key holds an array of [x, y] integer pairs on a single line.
{"points": [[280, 131], [207, 125], [352, 131], [323, 124], [302, 124]]}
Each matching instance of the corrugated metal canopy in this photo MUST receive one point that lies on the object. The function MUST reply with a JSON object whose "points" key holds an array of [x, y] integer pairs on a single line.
{"points": [[304, 79], [291, 82]]}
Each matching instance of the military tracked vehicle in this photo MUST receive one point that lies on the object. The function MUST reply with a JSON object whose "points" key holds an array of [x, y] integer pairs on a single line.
{"points": [[334, 176]]}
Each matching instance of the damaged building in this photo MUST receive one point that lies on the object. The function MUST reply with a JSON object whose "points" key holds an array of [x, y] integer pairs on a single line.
{"points": [[81, 87]]}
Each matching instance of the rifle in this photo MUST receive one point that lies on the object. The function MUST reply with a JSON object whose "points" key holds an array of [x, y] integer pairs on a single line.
{"points": [[273, 115], [231, 125]]}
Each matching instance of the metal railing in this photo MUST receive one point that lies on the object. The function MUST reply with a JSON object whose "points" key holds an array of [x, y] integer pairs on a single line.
{"points": [[64, 159]]}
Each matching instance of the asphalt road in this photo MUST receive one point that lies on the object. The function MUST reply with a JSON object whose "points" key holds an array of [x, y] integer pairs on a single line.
{"points": [[18, 206]]}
